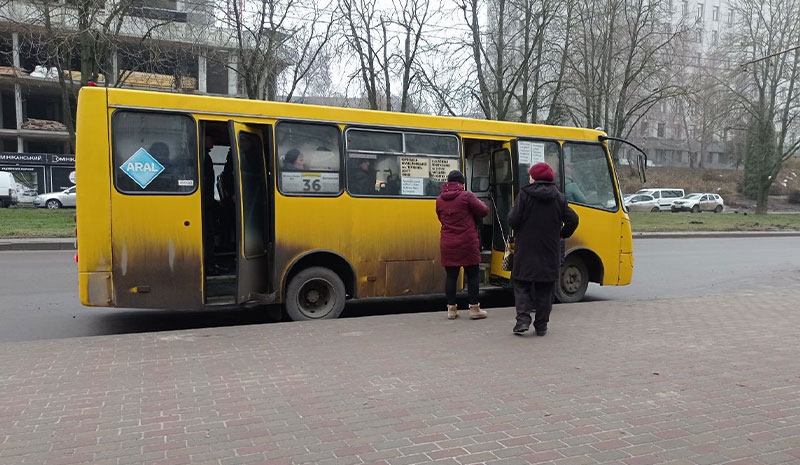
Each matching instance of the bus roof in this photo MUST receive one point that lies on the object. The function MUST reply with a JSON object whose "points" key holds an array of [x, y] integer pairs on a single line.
{"points": [[218, 105]]}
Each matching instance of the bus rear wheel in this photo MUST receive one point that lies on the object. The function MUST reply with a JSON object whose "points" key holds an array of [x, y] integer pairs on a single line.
{"points": [[573, 282], [315, 293]]}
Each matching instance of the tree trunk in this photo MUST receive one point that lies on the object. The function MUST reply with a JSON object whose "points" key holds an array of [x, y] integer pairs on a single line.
{"points": [[763, 198]]}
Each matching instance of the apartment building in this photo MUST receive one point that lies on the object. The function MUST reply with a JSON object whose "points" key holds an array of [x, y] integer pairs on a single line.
{"points": [[678, 133]]}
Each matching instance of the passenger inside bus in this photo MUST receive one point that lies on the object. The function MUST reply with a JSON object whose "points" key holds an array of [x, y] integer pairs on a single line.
{"points": [[362, 179], [293, 161]]}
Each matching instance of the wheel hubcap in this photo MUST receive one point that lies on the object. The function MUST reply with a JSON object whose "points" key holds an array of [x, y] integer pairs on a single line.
{"points": [[316, 298], [571, 279]]}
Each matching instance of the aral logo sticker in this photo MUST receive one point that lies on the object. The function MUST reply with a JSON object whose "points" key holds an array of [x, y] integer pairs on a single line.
{"points": [[142, 168]]}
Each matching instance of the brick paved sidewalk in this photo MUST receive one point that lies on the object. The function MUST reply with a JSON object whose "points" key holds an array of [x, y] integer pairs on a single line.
{"points": [[690, 381]]}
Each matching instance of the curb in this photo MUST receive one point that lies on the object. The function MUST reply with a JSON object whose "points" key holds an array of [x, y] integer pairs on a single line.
{"points": [[713, 234], [37, 244]]}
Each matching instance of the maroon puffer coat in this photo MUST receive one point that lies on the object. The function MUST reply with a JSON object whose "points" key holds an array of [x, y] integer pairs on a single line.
{"points": [[459, 212]]}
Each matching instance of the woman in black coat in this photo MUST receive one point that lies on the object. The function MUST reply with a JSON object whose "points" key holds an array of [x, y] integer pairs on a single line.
{"points": [[540, 219]]}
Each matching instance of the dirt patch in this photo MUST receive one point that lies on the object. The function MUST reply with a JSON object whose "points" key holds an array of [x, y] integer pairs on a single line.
{"points": [[726, 183]]}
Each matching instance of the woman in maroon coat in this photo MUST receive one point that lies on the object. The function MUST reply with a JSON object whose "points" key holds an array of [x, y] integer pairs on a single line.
{"points": [[460, 212]]}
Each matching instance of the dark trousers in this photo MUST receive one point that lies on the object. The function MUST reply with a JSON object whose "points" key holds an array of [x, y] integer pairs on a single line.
{"points": [[473, 287], [530, 295]]}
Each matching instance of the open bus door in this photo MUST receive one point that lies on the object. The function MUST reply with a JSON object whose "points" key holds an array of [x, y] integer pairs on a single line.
{"points": [[252, 211], [502, 190]]}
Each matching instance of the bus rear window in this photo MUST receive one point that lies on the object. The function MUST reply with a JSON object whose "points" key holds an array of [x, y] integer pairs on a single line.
{"points": [[154, 153]]}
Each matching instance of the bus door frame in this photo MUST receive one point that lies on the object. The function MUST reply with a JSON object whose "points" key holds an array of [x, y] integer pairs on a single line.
{"points": [[501, 230], [252, 266]]}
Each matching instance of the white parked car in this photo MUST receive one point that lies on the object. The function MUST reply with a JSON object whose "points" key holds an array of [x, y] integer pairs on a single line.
{"points": [[55, 200], [664, 196], [8, 190], [641, 203], [699, 202]]}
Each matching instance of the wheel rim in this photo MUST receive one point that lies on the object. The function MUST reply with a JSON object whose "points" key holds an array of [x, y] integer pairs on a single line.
{"points": [[571, 279], [52, 205], [316, 298]]}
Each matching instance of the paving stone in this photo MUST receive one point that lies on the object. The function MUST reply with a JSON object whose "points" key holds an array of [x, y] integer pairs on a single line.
{"points": [[393, 390]]}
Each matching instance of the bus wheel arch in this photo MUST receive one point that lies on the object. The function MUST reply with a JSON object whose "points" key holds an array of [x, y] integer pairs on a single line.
{"points": [[318, 282], [580, 267]]}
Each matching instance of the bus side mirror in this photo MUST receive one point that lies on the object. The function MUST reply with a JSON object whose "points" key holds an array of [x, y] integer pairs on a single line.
{"points": [[641, 158]]}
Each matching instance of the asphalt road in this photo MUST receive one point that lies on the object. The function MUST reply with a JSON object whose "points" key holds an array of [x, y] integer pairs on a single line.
{"points": [[39, 296]]}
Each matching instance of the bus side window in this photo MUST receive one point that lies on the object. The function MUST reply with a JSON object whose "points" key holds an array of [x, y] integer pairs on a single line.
{"points": [[309, 162], [394, 163]]}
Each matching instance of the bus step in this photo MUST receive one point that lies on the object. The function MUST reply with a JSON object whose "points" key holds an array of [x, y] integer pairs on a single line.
{"points": [[490, 287], [220, 300], [220, 286], [484, 269], [486, 256]]}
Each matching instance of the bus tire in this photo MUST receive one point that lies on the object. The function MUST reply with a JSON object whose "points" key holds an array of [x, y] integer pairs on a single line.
{"points": [[573, 280], [315, 293]]}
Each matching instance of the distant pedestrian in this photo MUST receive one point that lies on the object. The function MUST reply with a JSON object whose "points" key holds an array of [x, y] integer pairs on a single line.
{"points": [[460, 212], [540, 218]]}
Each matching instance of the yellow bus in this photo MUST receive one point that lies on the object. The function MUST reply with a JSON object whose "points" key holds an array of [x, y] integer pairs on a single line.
{"points": [[190, 202]]}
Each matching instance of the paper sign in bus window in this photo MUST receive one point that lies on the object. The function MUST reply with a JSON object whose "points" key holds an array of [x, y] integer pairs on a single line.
{"points": [[441, 167], [530, 153], [142, 168], [413, 186], [414, 167], [308, 182]]}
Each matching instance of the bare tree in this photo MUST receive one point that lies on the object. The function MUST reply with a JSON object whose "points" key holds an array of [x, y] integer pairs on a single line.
{"points": [[767, 43], [270, 37], [412, 16], [517, 56], [706, 107], [365, 36], [621, 63], [491, 50]]}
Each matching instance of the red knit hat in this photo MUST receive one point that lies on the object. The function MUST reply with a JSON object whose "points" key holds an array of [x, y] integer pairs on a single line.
{"points": [[542, 172]]}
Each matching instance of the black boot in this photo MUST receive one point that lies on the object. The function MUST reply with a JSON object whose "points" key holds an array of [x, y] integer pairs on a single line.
{"points": [[521, 328]]}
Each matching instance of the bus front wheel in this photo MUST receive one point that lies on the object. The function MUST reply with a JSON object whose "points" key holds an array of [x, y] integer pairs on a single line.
{"points": [[574, 280], [315, 293]]}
